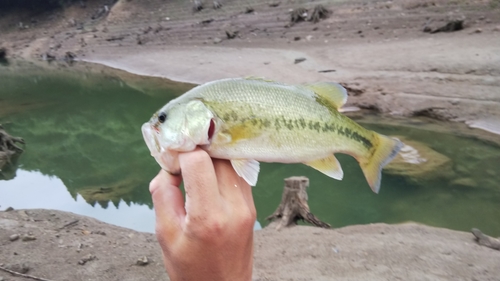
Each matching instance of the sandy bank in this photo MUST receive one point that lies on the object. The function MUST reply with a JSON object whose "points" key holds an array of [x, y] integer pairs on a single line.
{"points": [[364, 252]]}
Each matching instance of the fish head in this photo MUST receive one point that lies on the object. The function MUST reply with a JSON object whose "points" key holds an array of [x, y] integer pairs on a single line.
{"points": [[178, 127]]}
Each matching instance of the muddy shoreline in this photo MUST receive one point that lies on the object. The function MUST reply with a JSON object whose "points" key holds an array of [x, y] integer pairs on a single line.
{"points": [[59, 245], [377, 49]]}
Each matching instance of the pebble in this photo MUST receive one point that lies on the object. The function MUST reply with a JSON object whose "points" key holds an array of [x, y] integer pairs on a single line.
{"points": [[14, 237], [21, 268], [217, 40], [142, 261], [28, 238], [23, 213], [86, 259], [299, 60]]}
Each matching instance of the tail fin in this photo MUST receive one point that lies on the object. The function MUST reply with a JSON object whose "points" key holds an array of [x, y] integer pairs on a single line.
{"points": [[385, 151]]}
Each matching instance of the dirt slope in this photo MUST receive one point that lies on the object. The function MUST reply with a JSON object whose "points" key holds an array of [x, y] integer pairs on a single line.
{"points": [[365, 252], [376, 48]]}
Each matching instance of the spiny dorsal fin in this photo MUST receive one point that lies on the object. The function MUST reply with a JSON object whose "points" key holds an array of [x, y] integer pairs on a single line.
{"points": [[334, 93]]}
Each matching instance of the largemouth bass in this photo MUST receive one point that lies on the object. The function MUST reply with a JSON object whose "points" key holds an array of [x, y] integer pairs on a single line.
{"points": [[251, 120]]}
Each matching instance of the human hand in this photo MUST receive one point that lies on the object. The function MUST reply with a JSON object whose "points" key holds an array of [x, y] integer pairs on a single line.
{"points": [[210, 237]]}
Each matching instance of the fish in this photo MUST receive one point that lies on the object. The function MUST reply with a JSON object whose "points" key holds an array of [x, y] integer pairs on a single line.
{"points": [[252, 120]]}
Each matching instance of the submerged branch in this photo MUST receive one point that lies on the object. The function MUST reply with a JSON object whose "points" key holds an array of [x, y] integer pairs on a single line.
{"points": [[22, 274], [8, 147]]}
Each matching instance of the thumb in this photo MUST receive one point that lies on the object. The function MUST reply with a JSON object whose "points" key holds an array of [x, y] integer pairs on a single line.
{"points": [[168, 203]]}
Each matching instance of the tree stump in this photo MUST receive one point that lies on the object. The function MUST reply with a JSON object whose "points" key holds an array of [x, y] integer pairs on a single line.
{"points": [[8, 147], [293, 206]]}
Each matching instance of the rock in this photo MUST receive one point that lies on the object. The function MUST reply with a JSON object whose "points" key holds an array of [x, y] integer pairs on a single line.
{"points": [[72, 23], [217, 40], [418, 162], [13, 237], [21, 268], [23, 213], [9, 209], [48, 57], [319, 12], [142, 261], [309, 37], [299, 60], [207, 21], [464, 182], [298, 15], [27, 238], [249, 10], [197, 6], [69, 56], [231, 34], [86, 259], [453, 25], [217, 5], [296, 38], [3, 53], [496, 28], [274, 4], [1, 278], [478, 30]]}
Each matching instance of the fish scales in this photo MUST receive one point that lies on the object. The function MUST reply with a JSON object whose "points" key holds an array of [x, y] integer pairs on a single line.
{"points": [[250, 120], [290, 121]]}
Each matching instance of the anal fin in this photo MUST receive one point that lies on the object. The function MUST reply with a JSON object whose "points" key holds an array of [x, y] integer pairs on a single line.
{"points": [[329, 166], [248, 169]]}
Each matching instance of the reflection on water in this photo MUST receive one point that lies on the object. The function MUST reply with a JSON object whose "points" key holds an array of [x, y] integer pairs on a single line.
{"points": [[85, 154], [33, 190]]}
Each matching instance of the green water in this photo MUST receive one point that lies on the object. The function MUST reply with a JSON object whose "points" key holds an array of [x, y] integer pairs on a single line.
{"points": [[85, 154]]}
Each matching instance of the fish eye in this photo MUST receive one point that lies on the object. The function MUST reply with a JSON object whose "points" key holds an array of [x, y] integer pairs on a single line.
{"points": [[162, 117]]}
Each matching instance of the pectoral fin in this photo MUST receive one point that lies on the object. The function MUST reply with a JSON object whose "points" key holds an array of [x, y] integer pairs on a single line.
{"points": [[248, 169], [329, 166]]}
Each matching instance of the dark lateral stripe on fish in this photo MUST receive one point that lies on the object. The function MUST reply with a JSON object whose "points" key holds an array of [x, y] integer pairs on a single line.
{"points": [[301, 123]]}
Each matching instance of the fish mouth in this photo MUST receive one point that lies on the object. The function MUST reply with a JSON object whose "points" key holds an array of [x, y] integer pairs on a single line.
{"points": [[151, 139], [167, 159]]}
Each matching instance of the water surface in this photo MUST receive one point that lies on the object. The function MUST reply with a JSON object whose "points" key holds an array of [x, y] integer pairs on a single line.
{"points": [[85, 154]]}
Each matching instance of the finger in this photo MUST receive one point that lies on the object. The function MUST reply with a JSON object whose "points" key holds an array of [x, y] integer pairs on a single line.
{"points": [[168, 203], [200, 183], [232, 187], [228, 180], [246, 190]]}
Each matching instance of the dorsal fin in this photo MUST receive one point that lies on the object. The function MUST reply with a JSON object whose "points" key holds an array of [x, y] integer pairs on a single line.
{"points": [[334, 93], [256, 78]]}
